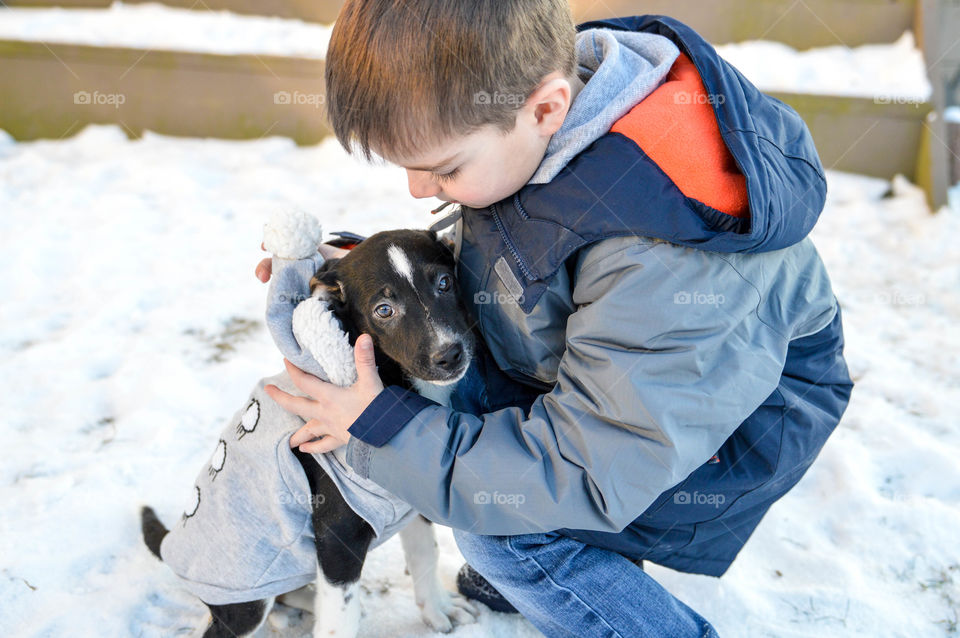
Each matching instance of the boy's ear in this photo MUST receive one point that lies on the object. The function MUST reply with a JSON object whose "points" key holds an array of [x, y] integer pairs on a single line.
{"points": [[328, 280], [547, 107]]}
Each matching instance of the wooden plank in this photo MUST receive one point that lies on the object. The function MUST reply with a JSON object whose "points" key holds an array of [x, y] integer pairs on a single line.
{"points": [[322, 11], [802, 25], [939, 22], [863, 135], [245, 96], [54, 90]]}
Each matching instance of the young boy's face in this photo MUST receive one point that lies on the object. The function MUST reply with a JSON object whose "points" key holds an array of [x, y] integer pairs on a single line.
{"points": [[488, 165], [476, 169]]}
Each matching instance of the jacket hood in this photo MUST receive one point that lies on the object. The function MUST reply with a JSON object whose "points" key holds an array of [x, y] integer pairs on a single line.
{"points": [[768, 142]]}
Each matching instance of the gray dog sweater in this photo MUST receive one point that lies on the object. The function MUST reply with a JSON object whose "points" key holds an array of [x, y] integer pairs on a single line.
{"points": [[246, 532]]}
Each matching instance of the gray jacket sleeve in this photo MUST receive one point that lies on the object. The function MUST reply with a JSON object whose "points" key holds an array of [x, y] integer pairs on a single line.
{"points": [[665, 356]]}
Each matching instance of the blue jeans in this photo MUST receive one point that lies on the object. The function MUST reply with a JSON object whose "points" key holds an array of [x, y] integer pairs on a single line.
{"points": [[566, 588]]}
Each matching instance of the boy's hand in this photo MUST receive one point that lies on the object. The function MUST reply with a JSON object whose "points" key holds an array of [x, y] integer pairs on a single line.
{"points": [[265, 267], [330, 410]]}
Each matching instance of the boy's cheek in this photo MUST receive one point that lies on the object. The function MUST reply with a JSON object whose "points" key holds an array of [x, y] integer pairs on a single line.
{"points": [[489, 191]]}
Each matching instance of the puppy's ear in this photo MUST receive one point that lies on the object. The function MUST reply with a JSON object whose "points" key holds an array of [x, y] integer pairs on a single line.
{"points": [[446, 240], [328, 280]]}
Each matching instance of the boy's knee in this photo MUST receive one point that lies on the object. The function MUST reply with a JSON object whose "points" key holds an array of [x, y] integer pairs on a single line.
{"points": [[478, 548]]}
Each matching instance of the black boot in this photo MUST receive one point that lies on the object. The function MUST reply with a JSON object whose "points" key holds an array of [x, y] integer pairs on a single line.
{"points": [[475, 587]]}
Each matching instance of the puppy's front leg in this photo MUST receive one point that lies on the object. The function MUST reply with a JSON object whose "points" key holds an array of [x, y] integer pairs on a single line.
{"points": [[440, 609], [336, 609]]}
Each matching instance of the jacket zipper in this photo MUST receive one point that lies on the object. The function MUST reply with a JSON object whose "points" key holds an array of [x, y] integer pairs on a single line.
{"points": [[506, 240]]}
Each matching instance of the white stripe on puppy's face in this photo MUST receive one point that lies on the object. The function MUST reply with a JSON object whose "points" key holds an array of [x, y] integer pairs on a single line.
{"points": [[401, 263]]}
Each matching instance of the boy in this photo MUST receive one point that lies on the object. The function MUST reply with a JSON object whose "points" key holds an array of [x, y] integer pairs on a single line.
{"points": [[665, 351]]}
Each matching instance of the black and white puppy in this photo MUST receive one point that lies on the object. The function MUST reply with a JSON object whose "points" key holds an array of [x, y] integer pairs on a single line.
{"points": [[399, 287]]}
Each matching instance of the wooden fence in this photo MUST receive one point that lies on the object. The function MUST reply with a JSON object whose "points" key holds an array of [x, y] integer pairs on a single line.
{"points": [[54, 90]]}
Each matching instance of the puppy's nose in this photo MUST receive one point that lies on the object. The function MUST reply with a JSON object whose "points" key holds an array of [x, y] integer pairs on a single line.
{"points": [[449, 358]]}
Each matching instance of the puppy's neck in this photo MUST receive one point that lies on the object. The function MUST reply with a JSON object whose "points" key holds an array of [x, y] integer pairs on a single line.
{"points": [[439, 393]]}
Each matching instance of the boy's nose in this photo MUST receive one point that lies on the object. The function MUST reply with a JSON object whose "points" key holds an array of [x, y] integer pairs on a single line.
{"points": [[421, 185]]}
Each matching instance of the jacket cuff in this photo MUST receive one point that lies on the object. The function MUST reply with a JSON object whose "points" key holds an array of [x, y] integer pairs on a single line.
{"points": [[359, 455], [387, 414]]}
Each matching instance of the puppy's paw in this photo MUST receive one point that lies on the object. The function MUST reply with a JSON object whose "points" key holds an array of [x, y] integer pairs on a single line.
{"points": [[444, 610], [170, 613]]}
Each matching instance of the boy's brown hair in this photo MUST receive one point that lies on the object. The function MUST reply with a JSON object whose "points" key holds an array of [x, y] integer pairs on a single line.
{"points": [[401, 74]]}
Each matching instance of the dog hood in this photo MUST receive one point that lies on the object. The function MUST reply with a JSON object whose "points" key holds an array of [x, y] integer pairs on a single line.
{"points": [[229, 554], [304, 328]]}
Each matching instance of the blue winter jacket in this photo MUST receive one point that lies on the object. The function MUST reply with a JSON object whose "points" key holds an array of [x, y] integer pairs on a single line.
{"points": [[659, 372]]}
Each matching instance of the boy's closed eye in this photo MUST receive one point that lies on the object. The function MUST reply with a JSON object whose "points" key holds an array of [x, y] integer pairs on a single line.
{"points": [[446, 177]]}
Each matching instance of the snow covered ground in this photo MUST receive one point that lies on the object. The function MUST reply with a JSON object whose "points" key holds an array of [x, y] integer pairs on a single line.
{"points": [[132, 327]]}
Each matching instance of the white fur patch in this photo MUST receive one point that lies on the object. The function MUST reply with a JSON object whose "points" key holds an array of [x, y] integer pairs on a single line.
{"points": [[433, 391], [401, 263], [445, 336], [336, 609], [440, 609]]}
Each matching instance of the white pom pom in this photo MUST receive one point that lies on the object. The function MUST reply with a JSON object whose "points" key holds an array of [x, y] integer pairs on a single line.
{"points": [[292, 235]]}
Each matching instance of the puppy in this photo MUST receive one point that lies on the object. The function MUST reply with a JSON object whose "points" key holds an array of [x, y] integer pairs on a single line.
{"points": [[264, 514]]}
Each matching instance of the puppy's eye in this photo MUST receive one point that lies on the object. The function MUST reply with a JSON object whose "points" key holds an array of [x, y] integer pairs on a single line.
{"points": [[445, 283], [384, 311]]}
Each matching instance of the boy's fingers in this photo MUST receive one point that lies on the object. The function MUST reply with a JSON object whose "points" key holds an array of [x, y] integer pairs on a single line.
{"points": [[364, 359], [264, 269], [300, 406], [326, 444], [308, 432], [307, 382]]}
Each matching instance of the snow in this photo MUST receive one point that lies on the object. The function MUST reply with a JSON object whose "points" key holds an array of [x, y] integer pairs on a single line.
{"points": [[886, 72], [133, 328], [154, 26]]}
